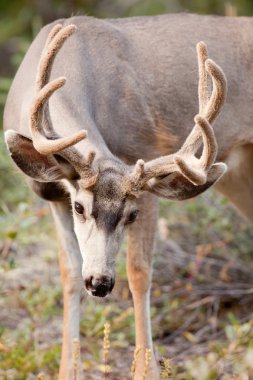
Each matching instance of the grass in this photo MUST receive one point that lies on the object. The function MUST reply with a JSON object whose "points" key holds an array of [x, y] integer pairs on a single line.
{"points": [[201, 226], [195, 224], [23, 358], [33, 301]]}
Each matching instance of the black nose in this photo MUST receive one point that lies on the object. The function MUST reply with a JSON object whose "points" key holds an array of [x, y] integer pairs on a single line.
{"points": [[99, 286]]}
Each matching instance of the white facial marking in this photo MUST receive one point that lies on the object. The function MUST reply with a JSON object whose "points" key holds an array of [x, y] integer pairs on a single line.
{"points": [[98, 247]]}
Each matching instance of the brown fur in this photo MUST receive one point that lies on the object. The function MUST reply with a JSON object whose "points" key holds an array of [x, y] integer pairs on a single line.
{"points": [[50, 191], [165, 141]]}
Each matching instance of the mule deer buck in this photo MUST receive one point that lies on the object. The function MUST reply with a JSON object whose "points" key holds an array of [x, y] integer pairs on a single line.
{"points": [[111, 137]]}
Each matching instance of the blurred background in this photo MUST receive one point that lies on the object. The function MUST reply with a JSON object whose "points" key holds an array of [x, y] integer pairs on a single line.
{"points": [[22, 19], [202, 291]]}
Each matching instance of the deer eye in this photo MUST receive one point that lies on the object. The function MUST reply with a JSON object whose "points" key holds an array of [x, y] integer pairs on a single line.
{"points": [[79, 208], [132, 216]]}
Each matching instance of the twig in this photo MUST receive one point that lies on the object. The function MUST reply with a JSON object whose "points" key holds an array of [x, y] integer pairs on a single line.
{"points": [[181, 329]]}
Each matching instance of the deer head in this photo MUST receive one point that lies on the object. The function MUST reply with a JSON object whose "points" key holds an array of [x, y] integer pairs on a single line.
{"points": [[103, 190]]}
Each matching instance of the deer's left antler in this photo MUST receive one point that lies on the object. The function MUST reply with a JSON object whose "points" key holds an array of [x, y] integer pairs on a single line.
{"points": [[184, 161]]}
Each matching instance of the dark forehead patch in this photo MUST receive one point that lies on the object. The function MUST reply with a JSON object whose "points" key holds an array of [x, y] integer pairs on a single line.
{"points": [[107, 220], [109, 186], [109, 201]]}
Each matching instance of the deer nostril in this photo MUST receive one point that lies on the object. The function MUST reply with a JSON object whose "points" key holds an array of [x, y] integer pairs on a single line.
{"points": [[112, 284], [95, 282], [99, 286], [88, 282]]}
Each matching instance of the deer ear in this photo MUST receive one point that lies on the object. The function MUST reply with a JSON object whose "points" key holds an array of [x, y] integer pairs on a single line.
{"points": [[43, 168], [177, 187]]}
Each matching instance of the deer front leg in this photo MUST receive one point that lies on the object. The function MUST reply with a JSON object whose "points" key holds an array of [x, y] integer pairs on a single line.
{"points": [[70, 266], [139, 267]]}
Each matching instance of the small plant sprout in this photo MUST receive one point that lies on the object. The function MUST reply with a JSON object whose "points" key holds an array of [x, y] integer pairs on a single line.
{"points": [[76, 347], [106, 347], [136, 354], [166, 368], [147, 362]]}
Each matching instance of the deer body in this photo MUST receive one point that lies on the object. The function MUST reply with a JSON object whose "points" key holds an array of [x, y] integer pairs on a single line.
{"points": [[131, 84]]}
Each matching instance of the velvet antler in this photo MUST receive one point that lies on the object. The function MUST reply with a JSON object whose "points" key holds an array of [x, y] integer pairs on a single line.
{"points": [[45, 139], [194, 169]]}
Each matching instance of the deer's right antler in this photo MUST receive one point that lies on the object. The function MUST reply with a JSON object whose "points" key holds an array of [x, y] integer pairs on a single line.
{"points": [[44, 90], [194, 169]]}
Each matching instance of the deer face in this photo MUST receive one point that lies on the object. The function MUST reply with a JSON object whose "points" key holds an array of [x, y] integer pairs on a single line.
{"points": [[102, 203], [101, 215]]}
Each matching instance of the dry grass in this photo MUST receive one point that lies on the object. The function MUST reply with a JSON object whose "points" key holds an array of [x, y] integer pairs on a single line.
{"points": [[202, 298]]}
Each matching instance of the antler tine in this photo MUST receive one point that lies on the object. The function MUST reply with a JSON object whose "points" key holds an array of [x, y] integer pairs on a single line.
{"points": [[41, 143], [203, 76], [210, 147], [219, 92], [55, 40], [194, 139], [88, 175], [207, 159], [139, 171], [55, 30], [208, 109]]}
